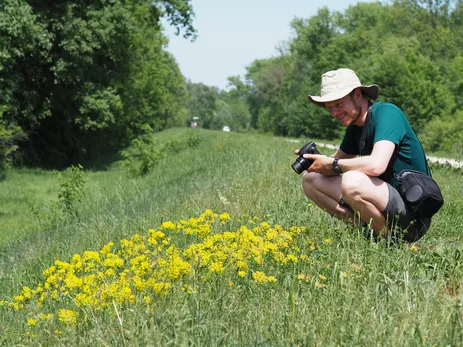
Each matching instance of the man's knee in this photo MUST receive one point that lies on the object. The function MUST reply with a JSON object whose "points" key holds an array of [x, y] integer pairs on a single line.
{"points": [[309, 182], [352, 184], [309, 179]]}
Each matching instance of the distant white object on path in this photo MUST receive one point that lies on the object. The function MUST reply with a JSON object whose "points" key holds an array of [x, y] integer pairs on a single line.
{"points": [[452, 162], [226, 128]]}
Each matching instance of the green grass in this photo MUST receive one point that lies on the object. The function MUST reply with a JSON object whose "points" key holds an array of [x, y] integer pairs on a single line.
{"points": [[18, 191], [374, 295]]}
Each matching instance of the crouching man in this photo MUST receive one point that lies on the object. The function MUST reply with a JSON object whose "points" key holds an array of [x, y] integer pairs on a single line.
{"points": [[361, 176]]}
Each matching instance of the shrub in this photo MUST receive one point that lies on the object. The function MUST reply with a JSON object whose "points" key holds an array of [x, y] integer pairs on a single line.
{"points": [[143, 155], [193, 139], [444, 134], [70, 194]]}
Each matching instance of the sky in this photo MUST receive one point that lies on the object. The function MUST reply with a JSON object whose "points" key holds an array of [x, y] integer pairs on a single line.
{"points": [[234, 33]]}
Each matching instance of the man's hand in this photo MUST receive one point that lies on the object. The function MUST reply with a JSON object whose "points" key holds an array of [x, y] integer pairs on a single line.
{"points": [[322, 164]]}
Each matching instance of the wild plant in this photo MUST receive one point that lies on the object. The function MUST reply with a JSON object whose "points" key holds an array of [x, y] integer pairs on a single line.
{"points": [[142, 156], [70, 195]]}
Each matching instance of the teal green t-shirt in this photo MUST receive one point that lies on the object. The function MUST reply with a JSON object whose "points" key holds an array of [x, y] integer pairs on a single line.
{"points": [[388, 122]]}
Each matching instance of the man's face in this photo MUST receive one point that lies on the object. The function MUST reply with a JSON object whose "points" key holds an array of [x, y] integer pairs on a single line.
{"points": [[346, 110]]}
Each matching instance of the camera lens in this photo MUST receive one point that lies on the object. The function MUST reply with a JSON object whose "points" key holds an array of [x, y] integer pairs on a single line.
{"points": [[302, 163], [298, 167]]}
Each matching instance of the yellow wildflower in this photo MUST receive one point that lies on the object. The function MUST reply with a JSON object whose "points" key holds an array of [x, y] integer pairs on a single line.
{"points": [[290, 258], [67, 317], [90, 255], [19, 298], [106, 248], [72, 281], [161, 288], [216, 267], [260, 277], [168, 226], [224, 217], [265, 226], [31, 322]]}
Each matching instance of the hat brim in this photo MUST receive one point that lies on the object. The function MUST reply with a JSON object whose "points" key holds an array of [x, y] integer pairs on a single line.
{"points": [[372, 91]]}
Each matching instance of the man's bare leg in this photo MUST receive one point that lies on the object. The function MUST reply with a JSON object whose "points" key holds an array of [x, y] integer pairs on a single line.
{"points": [[368, 195], [365, 194], [325, 191]]}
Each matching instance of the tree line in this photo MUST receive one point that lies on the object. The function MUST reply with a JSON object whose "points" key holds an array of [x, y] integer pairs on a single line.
{"points": [[80, 80], [411, 48]]}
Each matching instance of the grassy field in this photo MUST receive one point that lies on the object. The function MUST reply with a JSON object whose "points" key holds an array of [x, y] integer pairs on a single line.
{"points": [[218, 246]]}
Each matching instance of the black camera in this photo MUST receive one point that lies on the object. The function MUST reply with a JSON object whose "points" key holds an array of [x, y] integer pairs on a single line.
{"points": [[302, 163]]}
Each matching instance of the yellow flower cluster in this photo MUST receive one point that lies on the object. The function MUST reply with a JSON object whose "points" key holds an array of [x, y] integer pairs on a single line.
{"points": [[261, 277], [237, 250], [145, 267], [67, 317]]}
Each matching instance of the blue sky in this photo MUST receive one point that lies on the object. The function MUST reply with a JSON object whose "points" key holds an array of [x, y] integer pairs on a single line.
{"points": [[234, 33]]}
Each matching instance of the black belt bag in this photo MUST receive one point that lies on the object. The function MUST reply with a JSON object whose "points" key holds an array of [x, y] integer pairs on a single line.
{"points": [[420, 192]]}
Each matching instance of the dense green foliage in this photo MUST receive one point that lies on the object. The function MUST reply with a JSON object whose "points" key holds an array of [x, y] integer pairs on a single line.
{"points": [[81, 79], [338, 289]]}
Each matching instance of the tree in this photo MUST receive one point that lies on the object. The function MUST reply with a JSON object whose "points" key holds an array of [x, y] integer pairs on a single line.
{"points": [[75, 67], [267, 84]]}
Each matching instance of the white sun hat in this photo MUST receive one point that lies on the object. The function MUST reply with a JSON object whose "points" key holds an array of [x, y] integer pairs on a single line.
{"points": [[337, 84]]}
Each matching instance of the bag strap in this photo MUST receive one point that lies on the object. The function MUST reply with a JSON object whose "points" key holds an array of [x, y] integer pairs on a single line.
{"points": [[365, 129], [428, 170]]}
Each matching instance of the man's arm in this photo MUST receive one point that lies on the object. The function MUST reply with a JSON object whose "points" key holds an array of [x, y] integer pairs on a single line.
{"points": [[372, 165], [341, 155], [338, 154]]}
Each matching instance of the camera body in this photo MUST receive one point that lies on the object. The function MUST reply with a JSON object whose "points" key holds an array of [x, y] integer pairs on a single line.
{"points": [[302, 163]]}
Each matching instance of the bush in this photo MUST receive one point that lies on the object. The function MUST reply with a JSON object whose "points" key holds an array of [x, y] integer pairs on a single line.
{"points": [[193, 139], [70, 195], [7, 144], [444, 134], [143, 155]]}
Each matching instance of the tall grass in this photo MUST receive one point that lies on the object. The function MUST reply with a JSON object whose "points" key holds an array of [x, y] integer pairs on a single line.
{"points": [[341, 290]]}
